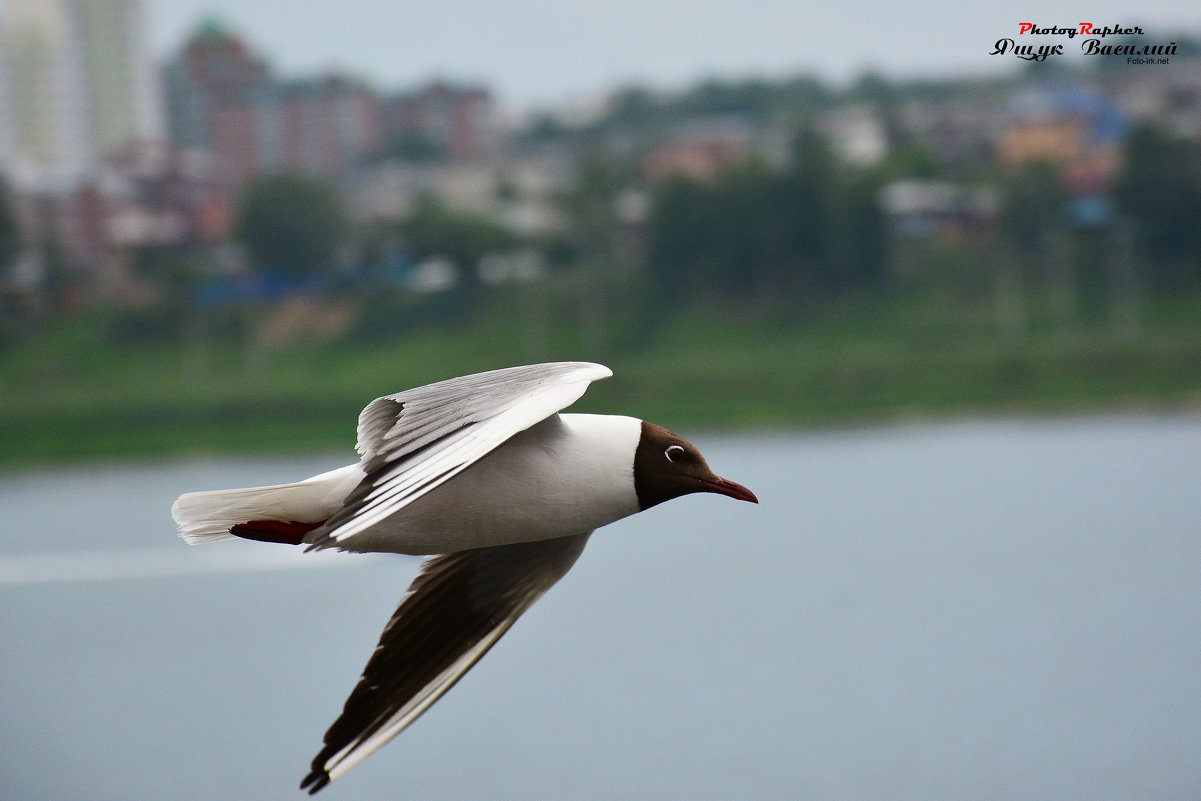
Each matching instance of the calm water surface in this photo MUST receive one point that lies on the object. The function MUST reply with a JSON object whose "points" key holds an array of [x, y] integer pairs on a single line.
{"points": [[1000, 610]]}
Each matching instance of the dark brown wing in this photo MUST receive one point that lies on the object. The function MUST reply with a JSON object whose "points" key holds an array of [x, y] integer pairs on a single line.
{"points": [[459, 605]]}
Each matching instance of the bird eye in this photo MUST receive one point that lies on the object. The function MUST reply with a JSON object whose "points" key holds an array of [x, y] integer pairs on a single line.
{"points": [[674, 453]]}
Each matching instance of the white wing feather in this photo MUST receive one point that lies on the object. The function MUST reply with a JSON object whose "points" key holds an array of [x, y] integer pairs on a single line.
{"points": [[415, 440]]}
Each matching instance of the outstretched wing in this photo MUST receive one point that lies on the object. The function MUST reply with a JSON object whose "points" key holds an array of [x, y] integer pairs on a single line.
{"points": [[459, 605], [414, 440]]}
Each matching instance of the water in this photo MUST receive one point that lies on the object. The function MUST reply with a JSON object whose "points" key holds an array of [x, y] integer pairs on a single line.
{"points": [[1002, 610]]}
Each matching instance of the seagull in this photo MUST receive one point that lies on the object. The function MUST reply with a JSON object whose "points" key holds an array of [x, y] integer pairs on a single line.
{"points": [[499, 491]]}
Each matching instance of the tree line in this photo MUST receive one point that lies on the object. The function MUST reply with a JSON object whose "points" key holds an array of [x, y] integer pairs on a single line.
{"points": [[759, 234], [813, 228]]}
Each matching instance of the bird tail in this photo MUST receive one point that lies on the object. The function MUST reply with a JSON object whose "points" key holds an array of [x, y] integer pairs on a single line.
{"points": [[280, 513]]}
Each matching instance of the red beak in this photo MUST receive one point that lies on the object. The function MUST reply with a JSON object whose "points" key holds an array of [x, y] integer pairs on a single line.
{"points": [[729, 489]]}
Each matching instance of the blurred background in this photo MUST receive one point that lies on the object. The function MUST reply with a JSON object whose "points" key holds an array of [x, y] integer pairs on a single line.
{"points": [[939, 306], [231, 224]]}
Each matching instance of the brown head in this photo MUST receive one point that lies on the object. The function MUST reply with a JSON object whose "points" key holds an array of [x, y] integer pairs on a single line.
{"points": [[667, 466]]}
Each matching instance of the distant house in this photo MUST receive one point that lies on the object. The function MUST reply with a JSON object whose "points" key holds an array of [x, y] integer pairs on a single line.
{"points": [[1078, 130], [145, 196], [857, 133], [699, 149], [211, 86], [222, 99], [501, 268], [923, 209], [1171, 98], [390, 190], [325, 127], [433, 275], [458, 123]]}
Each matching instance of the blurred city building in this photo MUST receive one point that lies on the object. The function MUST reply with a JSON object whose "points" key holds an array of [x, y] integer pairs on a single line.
{"points": [[105, 156], [454, 122], [82, 144], [326, 127], [857, 134], [76, 84], [209, 86], [223, 99], [146, 196], [699, 148], [109, 156], [1077, 129], [919, 208]]}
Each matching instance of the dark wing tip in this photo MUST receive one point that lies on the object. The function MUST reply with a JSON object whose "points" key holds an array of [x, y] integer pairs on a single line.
{"points": [[316, 779], [456, 608]]}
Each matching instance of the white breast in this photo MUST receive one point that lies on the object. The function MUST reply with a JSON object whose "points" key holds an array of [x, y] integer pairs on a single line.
{"points": [[569, 474]]}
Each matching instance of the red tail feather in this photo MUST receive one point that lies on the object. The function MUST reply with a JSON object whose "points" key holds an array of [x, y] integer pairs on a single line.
{"points": [[286, 532]]}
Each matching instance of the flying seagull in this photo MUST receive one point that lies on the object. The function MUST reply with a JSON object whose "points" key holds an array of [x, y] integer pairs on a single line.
{"points": [[499, 491]]}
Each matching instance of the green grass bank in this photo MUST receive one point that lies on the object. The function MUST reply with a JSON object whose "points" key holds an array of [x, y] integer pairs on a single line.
{"points": [[69, 393]]}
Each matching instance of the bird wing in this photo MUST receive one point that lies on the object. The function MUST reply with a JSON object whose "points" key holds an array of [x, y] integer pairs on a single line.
{"points": [[459, 605], [415, 440]]}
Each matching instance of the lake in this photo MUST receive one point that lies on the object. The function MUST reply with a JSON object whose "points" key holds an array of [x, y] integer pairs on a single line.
{"points": [[968, 610]]}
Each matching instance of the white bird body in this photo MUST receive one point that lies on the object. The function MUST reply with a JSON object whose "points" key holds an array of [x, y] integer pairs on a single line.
{"points": [[489, 503], [501, 491]]}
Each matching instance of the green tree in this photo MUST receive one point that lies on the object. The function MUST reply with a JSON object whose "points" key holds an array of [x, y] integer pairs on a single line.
{"points": [[681, 239], [1159, 189], [591, 209], [415, 147], [862, 235], [807, 200], [291, 223], [10, 231], [1035, 245], [911, 160], [435, 230], [768, 236], [1032, 209]]}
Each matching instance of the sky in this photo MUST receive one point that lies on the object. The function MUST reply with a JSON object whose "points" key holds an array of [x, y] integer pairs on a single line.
{"points": [[544, 52]]}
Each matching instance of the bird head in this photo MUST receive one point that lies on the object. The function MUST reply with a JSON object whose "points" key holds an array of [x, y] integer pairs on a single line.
{"points": [[667, 466]]}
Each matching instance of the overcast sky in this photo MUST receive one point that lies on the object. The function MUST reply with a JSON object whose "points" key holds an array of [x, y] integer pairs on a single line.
{"points": [[544, 51]]}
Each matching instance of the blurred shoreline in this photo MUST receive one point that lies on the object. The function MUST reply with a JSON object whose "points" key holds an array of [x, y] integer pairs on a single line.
{"points": [[69, 395]]}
